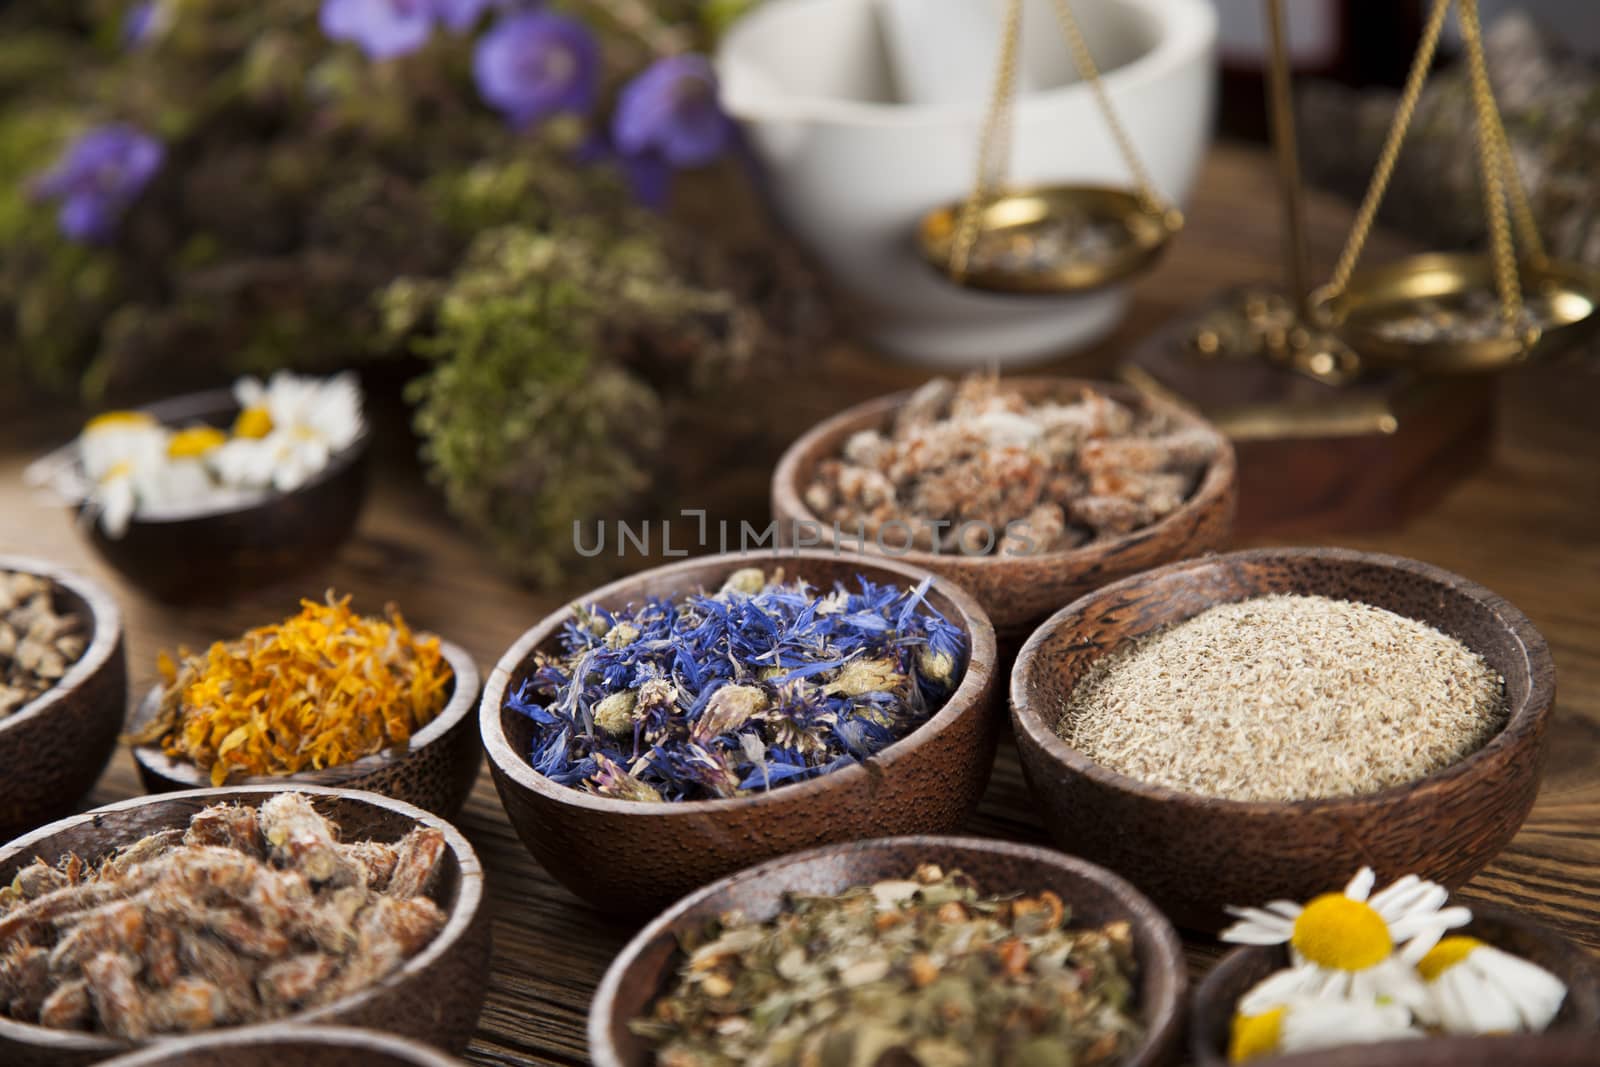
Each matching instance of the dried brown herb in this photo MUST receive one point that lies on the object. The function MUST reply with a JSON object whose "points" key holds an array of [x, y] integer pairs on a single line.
{"points": [[921, 971], [38, 644], [249, 914]]}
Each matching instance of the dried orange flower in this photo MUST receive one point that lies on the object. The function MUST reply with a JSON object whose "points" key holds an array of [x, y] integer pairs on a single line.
{"points": [[323, 688]]}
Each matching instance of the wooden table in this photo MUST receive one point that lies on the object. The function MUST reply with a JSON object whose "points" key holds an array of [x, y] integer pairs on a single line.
{"points": [[1527, 526]]}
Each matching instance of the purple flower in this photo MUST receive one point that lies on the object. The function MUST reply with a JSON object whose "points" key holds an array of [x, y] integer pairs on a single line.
{"points": [[98, 176], [534, 65], [459, 16], [671, 110], [383, 29], [143, 22]]}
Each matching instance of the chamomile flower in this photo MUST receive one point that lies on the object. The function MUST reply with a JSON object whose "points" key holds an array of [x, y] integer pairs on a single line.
{"points": [[1474, 988], [1344, 944], [287, 430], [120, 452], [1305, 1023]]}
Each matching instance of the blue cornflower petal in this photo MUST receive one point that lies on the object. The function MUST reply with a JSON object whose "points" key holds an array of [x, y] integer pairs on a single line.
{"points": [[534, 65]]}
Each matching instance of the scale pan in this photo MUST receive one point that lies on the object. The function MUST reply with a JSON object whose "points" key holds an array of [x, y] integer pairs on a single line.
{"points": [[1440, 312], [1051, 239]]}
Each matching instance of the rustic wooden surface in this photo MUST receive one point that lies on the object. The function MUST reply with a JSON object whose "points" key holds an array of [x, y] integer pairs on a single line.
{"points": [[1527, 525]]}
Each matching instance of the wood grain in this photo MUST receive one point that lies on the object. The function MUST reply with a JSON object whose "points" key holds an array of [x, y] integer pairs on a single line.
{"points": [[1527, 525]]}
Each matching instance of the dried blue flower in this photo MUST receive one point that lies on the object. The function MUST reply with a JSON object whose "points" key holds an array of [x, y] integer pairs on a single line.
{"points": [[98, 176], [144, 22], [715, 695], [383, 29], [534, 65]]}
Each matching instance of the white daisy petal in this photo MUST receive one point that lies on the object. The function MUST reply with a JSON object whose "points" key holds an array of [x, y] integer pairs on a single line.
{"points": [[1278, 989], [1361, 885]]}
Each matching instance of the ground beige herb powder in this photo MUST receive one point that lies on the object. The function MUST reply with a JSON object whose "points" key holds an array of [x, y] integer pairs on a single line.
{"points": [[1286, 698]]}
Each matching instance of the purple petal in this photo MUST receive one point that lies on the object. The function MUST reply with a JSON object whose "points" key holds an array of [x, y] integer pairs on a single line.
{"points": [[86, 217], [649, 177], [383, 29], [98, 176], [459, 16]]}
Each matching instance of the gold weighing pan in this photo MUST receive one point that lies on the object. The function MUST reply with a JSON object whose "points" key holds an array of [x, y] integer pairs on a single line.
{"points": [[1386, 313], [1052, 238]]}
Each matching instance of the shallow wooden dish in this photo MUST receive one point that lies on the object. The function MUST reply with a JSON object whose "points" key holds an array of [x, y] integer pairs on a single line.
{"points": [[1094, 895], [273, 1044], [1211, 1011], [435, 773], [1194, 855], [54, 748], [633, 858], [435, 997], [210, 554], [1019, 591]]}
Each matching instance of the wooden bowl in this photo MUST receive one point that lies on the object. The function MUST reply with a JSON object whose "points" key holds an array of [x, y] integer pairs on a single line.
{"points": [[209, 553], [1196, 854], [1094, 895], [633, 858], [435, 997], [435, 773], [274, 1044], [1211, 1011], [1019, 591], [54, 748]]}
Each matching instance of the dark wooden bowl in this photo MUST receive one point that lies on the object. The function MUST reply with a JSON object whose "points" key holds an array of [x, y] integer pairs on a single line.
{"points": [[633, 858], [275, 1044], [1193, 854], [54, 748], [435, 997], [209, 554], [1094, 895], [1019, 591], [1572, 1049], [1211, 1011], [435, 773]]}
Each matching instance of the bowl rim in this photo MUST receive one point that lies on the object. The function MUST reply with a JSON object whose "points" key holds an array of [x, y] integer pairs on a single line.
{"points": [[1220, 476], [1183, 31], [463, 698], [1150, 924], [463, 913], [1535, 705], [355, 1039], [1204, 1023], [190, 406], [964, 700], [105, 619]]}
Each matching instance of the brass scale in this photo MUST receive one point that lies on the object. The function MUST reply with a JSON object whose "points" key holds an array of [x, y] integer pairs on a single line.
{"points": [[996, 239]]}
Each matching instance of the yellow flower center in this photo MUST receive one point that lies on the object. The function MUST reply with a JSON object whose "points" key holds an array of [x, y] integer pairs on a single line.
{"points": [[1255, 1035], [194, 442], [253, 422], [119, 420], [1445, 955], [1341, 934]]}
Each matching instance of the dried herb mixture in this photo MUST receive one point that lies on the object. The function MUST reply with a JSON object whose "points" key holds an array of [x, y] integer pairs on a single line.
{"points": [[757, 685], [245, 915], [922, 970], [976, 468], [323, 688], [38, 644]]}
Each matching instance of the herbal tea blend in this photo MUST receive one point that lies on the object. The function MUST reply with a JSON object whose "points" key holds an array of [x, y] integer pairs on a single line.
{"points": [[38, 644], [1062, 239], [977, 468], [287, 430], [1371, 966], [246, 915], [1286, 698], [320, 689], [924, 967], [762, 683], [1475, 317]]}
